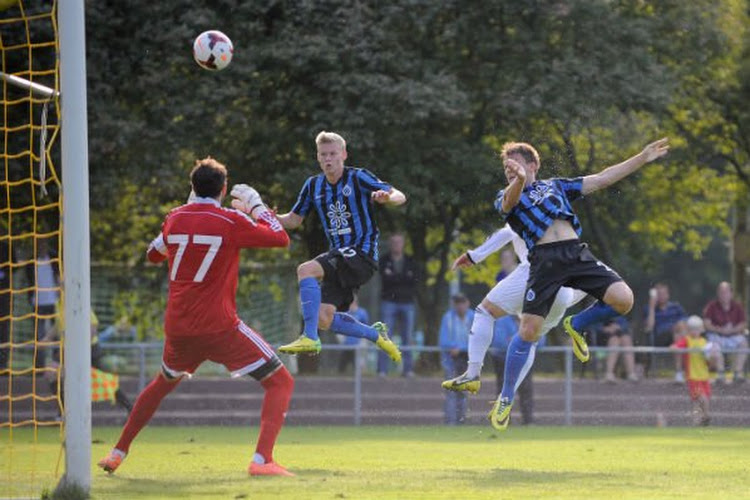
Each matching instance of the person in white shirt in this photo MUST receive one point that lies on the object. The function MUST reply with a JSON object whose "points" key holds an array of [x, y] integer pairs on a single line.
{"points": [[505, 298]]}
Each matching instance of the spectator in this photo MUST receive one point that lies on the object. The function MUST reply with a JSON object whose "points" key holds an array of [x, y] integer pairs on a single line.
{"points": [[454, 342], [54, 333], [44, 277], [505, 328], [665, 323], [697, 367], [616, 333], [399, 287], [508, 263], [726, 323], [360, 314]]}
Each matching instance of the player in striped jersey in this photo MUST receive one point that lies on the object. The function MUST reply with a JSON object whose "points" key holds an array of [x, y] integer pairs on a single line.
{"points": [[541, 213], [506, 297], [343, 198]]}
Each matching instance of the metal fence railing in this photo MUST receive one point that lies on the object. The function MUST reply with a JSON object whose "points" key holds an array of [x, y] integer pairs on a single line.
{"points": [[143, 350]]}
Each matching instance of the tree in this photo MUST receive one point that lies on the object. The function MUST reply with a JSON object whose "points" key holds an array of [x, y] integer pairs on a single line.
{"points": [[424, 92]]}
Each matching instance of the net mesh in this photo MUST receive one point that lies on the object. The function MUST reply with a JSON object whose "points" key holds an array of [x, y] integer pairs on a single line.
{"points": [[30, 246]]}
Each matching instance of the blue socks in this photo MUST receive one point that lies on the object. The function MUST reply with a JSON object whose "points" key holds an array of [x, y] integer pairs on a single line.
{"points": [[309, 296], [347, 325], [597, 313], [518, 361]]}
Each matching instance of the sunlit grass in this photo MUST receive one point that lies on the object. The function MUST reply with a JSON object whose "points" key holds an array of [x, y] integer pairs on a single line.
{"points": [[410, 462]]}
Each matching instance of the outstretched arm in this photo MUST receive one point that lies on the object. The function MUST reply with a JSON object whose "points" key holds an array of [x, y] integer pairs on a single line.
{"points": [[615, 173], [495, 242]]}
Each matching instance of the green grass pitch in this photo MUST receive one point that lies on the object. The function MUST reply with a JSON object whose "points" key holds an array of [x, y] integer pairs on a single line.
{"points": [[407, 462]]}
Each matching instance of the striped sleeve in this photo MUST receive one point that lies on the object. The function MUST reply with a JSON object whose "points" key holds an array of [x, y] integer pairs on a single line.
{"points": [[499, 205], [304, 200], [573, 188], [370, 182]]}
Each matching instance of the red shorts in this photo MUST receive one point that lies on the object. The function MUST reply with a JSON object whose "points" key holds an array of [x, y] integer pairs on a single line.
{"points": [[242, 351], [698, 388]]}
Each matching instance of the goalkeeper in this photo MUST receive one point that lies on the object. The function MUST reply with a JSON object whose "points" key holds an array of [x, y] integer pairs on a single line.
{"points": [[202, 243]]}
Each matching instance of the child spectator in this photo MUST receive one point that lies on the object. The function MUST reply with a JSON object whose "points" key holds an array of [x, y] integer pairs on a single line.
{"points": [[696, 366]]}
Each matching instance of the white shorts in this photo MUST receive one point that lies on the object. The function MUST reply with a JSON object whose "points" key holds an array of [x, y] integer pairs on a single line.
{"points": [[508, 295], [727, 342]]}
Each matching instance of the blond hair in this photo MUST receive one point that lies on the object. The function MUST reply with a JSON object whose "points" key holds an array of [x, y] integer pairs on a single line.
{"points": [[330, 138], [524, 149]]}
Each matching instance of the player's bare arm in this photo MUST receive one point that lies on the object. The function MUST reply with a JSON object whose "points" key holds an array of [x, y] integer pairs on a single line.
{"points": [[615, 173], [393, 197], [516, 175], [290, 220]]}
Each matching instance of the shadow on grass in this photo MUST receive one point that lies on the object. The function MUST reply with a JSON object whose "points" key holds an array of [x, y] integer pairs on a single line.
{"points": [[512, 477], [490, 479]]}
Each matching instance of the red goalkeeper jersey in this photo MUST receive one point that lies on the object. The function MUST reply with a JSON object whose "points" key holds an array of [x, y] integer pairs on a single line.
{"points": [[202, 241]]}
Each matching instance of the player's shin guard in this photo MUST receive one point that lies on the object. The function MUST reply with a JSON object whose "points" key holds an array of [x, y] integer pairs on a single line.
{"points": [[279, 387], [309, 296], [518, 362], [480, 339], [346, 324], [145, 406], [598, 312]]}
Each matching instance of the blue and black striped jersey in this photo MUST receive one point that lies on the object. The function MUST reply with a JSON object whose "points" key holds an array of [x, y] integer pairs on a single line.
{"points": [[541, 203], [344, 208]]}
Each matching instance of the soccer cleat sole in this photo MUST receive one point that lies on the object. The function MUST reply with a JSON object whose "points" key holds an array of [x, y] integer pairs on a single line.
{"points": [[472, 386], [298, 350], [580, 347], [499, 419], [301, 346]]}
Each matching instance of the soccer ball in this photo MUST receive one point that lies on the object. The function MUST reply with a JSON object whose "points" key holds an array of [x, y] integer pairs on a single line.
{"points": [[213, 50]]}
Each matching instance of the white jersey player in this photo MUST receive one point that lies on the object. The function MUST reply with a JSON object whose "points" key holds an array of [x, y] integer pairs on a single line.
{"points": [[506, 297]]}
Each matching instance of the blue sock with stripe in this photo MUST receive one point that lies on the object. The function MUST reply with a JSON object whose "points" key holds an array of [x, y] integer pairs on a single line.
{"points": [[518, 361], [599, 312], [346, 324], [309, 297]]}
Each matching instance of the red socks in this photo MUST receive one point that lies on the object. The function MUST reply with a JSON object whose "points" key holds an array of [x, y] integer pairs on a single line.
{"points": [[145, 406], [279, 387]]}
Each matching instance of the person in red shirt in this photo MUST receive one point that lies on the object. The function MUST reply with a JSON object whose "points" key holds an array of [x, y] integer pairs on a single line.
{"points": [[726, 324], [201, 242]]}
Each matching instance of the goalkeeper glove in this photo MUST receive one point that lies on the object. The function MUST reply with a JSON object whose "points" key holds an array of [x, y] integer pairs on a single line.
{"points": [[246, 199]]}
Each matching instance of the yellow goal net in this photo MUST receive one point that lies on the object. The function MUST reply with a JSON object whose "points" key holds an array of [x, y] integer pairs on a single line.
{"points": [[30, 248]]}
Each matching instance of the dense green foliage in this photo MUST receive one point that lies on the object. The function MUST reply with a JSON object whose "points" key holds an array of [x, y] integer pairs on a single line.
{"points": [[425, 93]]}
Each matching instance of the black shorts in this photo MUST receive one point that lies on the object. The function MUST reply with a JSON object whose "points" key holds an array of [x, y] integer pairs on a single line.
{"points": [[564, 263], [346, 269]]}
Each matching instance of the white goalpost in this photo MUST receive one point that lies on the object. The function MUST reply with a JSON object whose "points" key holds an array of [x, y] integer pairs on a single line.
{"points": [[76, 258]]}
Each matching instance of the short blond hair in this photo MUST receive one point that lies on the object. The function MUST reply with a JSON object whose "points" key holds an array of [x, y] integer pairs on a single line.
{"points": [[330, 138], [524, 149]]}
